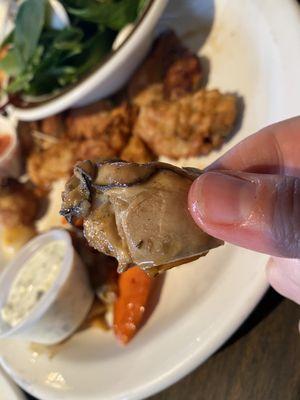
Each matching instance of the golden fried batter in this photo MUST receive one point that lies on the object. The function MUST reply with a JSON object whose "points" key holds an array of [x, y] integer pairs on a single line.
{"points": [[18, 204], [190, 126], [89, 121], [113, 125], [183, 76], [152, 94], [94, 149], [137, 151], [170, 63], [56, 162], [53, 126], [165, 50]]}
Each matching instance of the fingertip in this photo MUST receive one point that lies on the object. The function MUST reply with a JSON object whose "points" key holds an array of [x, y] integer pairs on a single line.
{"points": [[194, 201], [284, 276], [221, 199]]}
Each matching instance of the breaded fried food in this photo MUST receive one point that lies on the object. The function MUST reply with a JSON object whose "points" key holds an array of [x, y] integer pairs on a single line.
{"points": [[183, 76], [190, 126], [113, 125], [137, 151], [94, 149], [56, 162], [169, 61], [151, 94], [18, 204], [53, 126], [86, 122]]}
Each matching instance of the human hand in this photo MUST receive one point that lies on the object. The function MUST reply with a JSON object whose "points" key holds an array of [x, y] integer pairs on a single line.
{"points": [[251, 197]]}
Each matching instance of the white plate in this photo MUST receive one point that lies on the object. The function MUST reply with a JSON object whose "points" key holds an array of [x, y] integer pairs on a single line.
{"points": [[253, 49], [8, 390]]}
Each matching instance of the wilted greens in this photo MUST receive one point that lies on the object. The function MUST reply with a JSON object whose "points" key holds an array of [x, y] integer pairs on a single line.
{"points": [[42, 60]]}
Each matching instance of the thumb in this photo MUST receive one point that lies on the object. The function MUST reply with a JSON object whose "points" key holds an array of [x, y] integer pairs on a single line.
{"points": [[258, 212], [284, 276]]}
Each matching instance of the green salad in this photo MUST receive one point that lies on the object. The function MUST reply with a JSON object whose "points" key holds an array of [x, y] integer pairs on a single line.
{"points": [[43, 60]]}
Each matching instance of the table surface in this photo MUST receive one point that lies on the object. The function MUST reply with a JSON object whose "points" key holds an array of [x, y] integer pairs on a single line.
{"points": [[260, 362]]}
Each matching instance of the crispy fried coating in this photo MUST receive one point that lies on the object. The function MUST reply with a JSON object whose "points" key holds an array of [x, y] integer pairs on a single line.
{"points": [[112, 124], [183, 76], [137, 151], [169, 62], [87, 122], [53, 126], [190, 126], [94, 149], [152, 94], [165, 50], [56, 162], [18, 204]]}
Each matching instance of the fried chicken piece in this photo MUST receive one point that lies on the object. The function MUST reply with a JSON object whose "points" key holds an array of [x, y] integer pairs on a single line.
{"points": [[87, 122], [53, 126], [137, 151], [183, 76], [94, 149], [165, 48], [190, 126], [152, 94], [12, 239], [111, 125], [169, 61], [18, 204], [56, 162]]}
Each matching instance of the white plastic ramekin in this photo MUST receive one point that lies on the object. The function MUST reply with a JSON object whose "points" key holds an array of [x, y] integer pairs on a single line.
{"points": [[63, 308]]}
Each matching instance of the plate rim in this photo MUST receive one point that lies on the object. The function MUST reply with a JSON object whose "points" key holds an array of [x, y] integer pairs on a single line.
{"points": [[11, 385]]}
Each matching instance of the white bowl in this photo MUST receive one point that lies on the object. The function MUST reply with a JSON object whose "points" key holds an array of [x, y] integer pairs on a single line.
{"points": [[63, 308], [109, 77]]}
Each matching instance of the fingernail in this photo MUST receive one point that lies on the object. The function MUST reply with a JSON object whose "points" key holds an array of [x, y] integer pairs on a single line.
{"points": [[219, 198], [284, 276]]}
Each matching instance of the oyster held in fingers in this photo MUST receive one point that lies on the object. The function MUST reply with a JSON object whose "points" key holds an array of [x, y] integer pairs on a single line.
{"points": [[136, 213]]}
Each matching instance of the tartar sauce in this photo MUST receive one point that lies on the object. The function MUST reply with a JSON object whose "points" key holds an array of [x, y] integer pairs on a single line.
{"points": [[34, 279]]}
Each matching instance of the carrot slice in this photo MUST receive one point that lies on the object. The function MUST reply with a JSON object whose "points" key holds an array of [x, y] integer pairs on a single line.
{"points": [[134, 290], [64, 221], [78, 222]]}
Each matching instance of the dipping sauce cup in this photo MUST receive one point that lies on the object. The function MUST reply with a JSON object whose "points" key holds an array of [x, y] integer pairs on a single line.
{"points": [[62, 308]]}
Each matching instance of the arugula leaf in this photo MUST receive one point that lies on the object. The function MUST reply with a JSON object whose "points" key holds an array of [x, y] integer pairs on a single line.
{"points": [[69, 39], [114, 15], [12, 63], [23, 79], [94, 51], [29, 24]]}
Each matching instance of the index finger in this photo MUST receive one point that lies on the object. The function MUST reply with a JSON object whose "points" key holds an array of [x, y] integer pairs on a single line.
{"points": [[272, 150]]}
